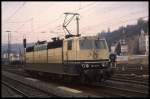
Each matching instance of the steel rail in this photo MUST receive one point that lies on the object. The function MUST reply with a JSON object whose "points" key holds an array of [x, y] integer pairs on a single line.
{"points": [[130, 81], [15, 89], [123, 89]]}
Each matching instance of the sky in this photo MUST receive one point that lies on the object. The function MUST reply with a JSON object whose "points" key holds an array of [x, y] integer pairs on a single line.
{"points": [[43, 20]]}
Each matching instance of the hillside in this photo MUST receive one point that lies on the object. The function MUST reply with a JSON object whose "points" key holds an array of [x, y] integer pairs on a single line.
{"points": [[128, 32]]}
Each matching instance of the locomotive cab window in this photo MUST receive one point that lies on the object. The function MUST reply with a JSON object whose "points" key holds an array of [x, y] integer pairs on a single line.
{"points": [[100, 44], [86, 44], [92, 44], [69, 44]]}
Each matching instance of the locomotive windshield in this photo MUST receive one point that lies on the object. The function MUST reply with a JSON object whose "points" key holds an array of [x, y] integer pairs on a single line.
{"points": [[100, 44], [86, 44], [92, 44]]}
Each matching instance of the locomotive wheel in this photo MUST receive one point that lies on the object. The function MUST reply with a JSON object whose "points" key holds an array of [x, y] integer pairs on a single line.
{"points": [[85, 80], [40, 73], [102, 79]]}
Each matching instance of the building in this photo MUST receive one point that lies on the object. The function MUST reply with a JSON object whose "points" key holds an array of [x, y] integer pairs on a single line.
{"points": [[13, 57], [143, 43], [112, 48], [133, 45], [147, 44], [120, 47], [124, 47]]}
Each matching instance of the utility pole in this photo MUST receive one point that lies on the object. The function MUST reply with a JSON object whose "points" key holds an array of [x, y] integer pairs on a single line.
{"points": [[9, 45], [24, 46]]}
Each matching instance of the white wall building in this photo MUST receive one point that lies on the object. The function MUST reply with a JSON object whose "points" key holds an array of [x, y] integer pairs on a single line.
{"points": [[113, 49], [124, 49], [143, 43], [147, 44], [14, 57], [5, 55]]}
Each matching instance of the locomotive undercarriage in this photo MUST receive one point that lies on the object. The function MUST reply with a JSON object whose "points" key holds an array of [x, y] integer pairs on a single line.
{"points": [[96, 74], [83, 72]]}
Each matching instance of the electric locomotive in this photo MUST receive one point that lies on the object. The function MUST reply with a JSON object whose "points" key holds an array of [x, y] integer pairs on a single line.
{"points": [[85, 58]]}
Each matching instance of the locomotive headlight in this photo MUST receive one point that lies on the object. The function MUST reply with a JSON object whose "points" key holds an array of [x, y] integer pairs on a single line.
{"points": [[103, 64], [83, 65], [87, 65]]}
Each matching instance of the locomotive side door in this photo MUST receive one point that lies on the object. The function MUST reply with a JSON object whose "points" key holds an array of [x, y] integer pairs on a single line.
{"points": [[64, 55], [69, 54]]}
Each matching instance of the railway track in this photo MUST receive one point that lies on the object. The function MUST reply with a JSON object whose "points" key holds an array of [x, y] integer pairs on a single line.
{"points": [[111, 88], [132, 68], [130, 81], [132, 78], [117, 77], [16, 91], [12, 66], [105, 90], [18, 72], [24, 89], [126, 89]]}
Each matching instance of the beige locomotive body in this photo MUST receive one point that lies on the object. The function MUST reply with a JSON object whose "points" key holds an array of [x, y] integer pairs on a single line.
{"points": [[72, 56]]}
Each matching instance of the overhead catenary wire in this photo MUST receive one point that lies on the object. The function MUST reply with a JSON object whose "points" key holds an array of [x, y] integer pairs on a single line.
{"points": [[19, 8], [20, 26], [52, 21], [81, 8], [124, 21], [106, 11], [23, 21], [124, 16], [88, 5], [17, 30]]}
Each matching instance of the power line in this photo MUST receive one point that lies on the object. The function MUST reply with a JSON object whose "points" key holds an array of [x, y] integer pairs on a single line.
{"points": [[85, 6], [49, 29], [16, 11], [132, 13], [20, 27], [47, 9], [19, 21], [124, 21], [60, 17], [62, 14], [49, 22], [82, 8], [106, 11], [23, 23]]}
